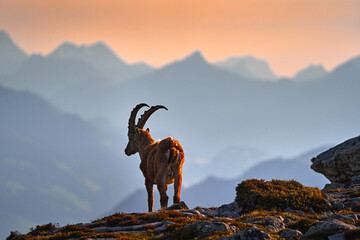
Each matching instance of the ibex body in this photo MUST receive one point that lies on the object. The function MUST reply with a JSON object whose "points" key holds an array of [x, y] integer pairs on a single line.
{"points": [[161, 161]]}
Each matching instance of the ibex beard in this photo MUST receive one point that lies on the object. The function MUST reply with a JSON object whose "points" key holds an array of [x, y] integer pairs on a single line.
{"points": [[161, 161]]}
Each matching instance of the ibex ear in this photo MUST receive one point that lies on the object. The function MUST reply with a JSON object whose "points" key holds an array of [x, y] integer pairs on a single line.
{"points": [[148, 130]]}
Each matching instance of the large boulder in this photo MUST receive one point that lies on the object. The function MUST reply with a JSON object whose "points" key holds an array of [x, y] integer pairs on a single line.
{"points": [[291, 234], [230, 210], [340, 163], [328, 228]]}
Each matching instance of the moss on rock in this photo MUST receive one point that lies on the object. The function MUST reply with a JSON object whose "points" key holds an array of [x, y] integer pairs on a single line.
{"points": [[277, 194]]}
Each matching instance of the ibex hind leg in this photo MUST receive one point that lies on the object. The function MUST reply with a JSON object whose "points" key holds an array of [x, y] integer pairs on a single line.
{"points": [[149, 188]]}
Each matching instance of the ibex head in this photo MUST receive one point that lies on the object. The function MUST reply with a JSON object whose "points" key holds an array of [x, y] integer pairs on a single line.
{"points": [[133, 133]]}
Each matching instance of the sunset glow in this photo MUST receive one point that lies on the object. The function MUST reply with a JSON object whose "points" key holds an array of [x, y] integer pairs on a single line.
{"points": [[288, 34]]}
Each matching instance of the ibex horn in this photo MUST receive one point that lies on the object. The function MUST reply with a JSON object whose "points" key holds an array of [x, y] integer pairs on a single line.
{"points": [[142, 120], [133, 116]]}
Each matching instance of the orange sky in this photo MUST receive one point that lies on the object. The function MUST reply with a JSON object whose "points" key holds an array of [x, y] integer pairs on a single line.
{"points": [[290, 34]]}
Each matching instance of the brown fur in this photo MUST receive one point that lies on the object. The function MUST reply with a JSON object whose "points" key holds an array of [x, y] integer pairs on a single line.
{"points": [[161, 164]]}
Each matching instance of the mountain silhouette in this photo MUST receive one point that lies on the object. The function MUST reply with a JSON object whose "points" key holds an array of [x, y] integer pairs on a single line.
{"points": [[194, 58], [63, 82], [310, 73], [70, 76], [55, 166], [104, 59], [210, 108], [11, 56], [347, 72], [249, 67], [97, 54], [297, 168]]}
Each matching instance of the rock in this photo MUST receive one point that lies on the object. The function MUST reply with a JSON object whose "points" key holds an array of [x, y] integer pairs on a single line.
{"points": [[327, 213], [340, 163], [194, 211], [328, 228], [187, 213], [207, 212], [337, 205], [355, 180], [333, 186], [142, 227], [291, 234], [352, 202], [353, 216], [326, 203], [274, 224], [338, 216], [230, 210], [163, 226], [339, 236], [252, 233], [293, 211], [205, 228], [181, 205]]}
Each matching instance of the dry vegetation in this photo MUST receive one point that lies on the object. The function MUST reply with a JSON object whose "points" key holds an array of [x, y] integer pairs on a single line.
{"points": [[277, 194], [260, 200]]}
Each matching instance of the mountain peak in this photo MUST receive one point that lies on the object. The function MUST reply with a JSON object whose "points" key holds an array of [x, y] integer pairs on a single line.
{"points": [[11, 56], [101, 46], [313, 71], [195, 57], [193, 61], [95, 54], [248, 66], [70, 49]]}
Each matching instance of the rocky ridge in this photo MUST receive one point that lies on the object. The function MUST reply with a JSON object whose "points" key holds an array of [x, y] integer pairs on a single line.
{"points": [[338, 220], [262, 209]]}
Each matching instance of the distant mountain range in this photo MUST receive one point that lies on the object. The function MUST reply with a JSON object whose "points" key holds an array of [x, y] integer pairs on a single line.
{"points": [[210, 108], [249, 67], [213, 107], [212, 192], [68, 70], [55, 166], [101, 57]]}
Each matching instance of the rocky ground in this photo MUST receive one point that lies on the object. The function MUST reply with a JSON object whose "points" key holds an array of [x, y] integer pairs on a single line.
{"points": [[340, 219], [262, 210]]}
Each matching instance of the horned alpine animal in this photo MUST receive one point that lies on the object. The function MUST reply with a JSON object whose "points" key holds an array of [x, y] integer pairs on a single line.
{"points": [[161, 161]]}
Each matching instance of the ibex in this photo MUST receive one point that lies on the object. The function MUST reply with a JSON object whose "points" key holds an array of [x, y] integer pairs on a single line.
{"points": [[161, 161]]}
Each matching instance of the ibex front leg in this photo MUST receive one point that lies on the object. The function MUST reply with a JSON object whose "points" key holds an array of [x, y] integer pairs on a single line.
{"points": [[162, 187], [177, 187], [149, 188]]}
